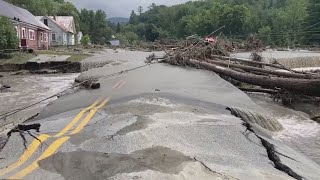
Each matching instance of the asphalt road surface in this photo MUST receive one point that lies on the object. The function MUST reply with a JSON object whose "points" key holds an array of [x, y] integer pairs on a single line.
{"points": [[157, 122]]}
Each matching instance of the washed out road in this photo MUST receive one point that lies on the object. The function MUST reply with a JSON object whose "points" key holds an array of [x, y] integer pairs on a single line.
{"points": [[157, 122]]}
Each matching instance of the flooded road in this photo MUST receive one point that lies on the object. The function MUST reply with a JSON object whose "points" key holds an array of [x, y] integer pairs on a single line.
{"points": [[28, 89]]}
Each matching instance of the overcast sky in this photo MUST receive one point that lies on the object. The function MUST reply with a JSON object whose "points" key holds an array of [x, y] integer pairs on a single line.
{"points": [[121, 8]]}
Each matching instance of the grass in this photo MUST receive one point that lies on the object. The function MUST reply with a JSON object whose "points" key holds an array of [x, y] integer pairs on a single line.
{"points": [[75, 56], [78, 57], [18, 58], [55, 52]]}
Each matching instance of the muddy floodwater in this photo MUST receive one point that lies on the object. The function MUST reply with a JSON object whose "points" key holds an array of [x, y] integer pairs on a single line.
{"points": [[300, 132], [28, 89]]}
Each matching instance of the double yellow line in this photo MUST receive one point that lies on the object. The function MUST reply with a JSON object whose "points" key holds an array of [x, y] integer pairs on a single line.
{"points": [[93, 108]]}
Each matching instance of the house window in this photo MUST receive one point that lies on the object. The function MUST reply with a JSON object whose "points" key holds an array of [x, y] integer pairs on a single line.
{"points": [[45, 21], [41, 37], [23, 33], [31, 34], [18, 31], [53, 37], [45, 37]]}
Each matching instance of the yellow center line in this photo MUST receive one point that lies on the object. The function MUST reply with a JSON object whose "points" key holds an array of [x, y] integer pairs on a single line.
{"points": [[75, 120], [26, 154], [88, 117], [43, 137], [57, 143], [34, 165]]}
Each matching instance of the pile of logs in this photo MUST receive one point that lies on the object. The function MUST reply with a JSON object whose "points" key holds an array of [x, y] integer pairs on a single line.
{"points": [[257, 75]]}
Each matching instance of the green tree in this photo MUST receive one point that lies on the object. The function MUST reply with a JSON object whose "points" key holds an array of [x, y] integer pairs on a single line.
{"points": [[128, 38], [151, 32], [100, 32], [8, 35], [279, 22], [265, 34], [133, 18], [118, 30], [85, 40], [140, 10], [312, 26], [84, 21]]}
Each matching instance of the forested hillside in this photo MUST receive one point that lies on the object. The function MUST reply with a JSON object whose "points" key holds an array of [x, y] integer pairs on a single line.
{"points": [[280, 22]]}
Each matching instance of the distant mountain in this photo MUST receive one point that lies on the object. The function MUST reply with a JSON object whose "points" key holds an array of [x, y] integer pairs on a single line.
{"points": [[116, 20]]}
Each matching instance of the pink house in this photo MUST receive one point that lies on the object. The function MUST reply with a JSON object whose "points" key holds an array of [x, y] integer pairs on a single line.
{"points": [[32, 33]]}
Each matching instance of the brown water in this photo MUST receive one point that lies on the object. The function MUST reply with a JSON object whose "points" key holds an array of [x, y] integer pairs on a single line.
{"points": [[28, 89], [300, 132]]}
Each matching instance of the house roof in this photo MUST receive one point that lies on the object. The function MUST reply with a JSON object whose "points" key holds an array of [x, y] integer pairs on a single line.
{"points": [[11, 11], [65, 22]]}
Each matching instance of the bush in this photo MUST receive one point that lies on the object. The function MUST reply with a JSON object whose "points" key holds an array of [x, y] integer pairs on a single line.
{"points": [[128, 38], [8, 35], [85, 40]]}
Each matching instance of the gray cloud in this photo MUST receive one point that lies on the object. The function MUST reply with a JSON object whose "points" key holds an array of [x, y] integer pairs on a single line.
{"points": [[121, 8]]}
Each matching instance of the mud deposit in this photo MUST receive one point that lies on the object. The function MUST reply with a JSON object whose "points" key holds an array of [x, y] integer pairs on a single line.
{"points": [[28, 89]]}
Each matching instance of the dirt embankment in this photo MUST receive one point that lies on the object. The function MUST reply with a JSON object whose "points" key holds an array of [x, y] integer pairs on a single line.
{"points": [[64, 66]]}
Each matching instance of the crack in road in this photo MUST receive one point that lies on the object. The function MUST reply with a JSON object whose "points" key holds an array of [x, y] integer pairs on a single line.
{"points": [[272, 153], [209, 169]]}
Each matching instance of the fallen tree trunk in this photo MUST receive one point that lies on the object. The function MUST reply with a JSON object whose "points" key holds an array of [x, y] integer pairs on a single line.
{"points": [[247, 61], [300, 86], [277, 66], [255, 69], [258, 90]]}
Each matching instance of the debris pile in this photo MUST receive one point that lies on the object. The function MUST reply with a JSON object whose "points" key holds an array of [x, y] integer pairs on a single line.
{"points": [[253, 75], [253, 43]]}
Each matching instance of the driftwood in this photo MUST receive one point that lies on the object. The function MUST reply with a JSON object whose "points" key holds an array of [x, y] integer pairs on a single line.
{"points": [[300, 86], [247, 61], [255, 69], [257, 63], [258, 90]]}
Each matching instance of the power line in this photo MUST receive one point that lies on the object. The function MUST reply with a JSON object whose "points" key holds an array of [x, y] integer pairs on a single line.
{"points": [[311, 26], [9, 113]]}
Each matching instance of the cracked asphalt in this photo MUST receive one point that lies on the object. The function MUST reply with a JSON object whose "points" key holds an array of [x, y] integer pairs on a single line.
{"points": [[182, 131]]}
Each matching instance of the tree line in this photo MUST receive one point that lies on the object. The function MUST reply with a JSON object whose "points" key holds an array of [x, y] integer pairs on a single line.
{"points": [[276, 22]]}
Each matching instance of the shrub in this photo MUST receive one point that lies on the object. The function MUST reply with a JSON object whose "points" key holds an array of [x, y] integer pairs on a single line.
{"points": [[85, 40], [8, 34]]}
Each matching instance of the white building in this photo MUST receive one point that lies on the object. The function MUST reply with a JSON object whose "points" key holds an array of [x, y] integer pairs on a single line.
{"points": [[63, 29]]}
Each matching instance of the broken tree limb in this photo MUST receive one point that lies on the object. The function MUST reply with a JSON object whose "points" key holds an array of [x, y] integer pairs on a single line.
{"points": [[258, 90], [22, 128], [277, 65], [255, 69], [300, 86], [247, 61]]}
